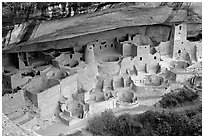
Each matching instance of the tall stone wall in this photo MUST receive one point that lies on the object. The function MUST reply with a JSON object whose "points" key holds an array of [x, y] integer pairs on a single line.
{"points": [[48, 101], [69, 86]]}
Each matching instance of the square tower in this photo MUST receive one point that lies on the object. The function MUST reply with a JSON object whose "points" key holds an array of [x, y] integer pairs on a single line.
{"points": [[180, 32], [180, 43]]}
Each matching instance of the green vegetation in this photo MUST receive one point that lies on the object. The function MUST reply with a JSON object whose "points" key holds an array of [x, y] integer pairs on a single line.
{"points": [[186, 123], [166, 123], [178, 98]]}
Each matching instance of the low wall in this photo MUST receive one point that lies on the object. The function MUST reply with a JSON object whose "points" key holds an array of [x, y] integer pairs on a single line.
{"points": [[108, 68], [183, 77], [97, 108], [13, 102], [18, 80]]}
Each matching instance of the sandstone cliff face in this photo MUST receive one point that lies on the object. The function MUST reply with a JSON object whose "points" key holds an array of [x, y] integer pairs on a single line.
{"points": [[131, 14]]}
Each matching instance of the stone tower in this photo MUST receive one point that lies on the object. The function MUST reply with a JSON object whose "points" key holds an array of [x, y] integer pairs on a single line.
{"points": [[89, 54]]}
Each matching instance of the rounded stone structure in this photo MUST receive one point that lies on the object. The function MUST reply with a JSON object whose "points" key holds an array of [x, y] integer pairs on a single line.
{"points": [[125, 96], [153, 80], [179, 64], [89, 54]]}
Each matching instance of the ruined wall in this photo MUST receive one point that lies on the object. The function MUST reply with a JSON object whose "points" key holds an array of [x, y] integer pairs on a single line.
{"points": [[125, 96], [199, 51], [183, 77], [86, 79], [184, 49], [153, 64], [6, 83], [9, 128], [108, 68], [19, 80], [188, 51], [192, 49], [153, 80], [55, 73], [134, 50], [142, 58], [103, 45], [13, 102], [10, 61], [97, 96], [39, 84], [143, 53], [68, 86], [69, 59], [36, 59], [99, 107], [47, 101], [117, 82], [141, 39], [23, 60], [180, 49], [126, 64], [164, 48], [126, 49]]}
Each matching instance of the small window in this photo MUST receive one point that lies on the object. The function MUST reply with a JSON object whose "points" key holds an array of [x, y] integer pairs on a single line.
{"points": [[155, 57], [93, 45], [71, 56], [100, 47], [111, 45], [180, 27], [181, 42], [140, 58], [179, 51], [105, 45]]}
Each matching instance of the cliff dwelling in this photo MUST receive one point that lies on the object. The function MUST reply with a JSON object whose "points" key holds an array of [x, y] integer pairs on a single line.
{"points": [[73, 72]]}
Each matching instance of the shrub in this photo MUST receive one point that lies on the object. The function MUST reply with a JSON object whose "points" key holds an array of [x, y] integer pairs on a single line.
{"points": [[102, 125], [149, 124], [178, 98]]}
